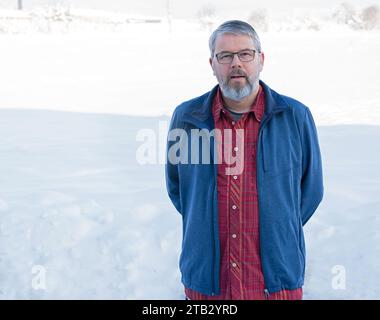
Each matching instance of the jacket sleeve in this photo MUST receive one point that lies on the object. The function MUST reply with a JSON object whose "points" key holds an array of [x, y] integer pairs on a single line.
{"points": [[312, 176], [171, 170]]}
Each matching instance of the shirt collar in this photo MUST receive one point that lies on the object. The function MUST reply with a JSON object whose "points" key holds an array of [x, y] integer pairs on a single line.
{"points": [[257, 107]]}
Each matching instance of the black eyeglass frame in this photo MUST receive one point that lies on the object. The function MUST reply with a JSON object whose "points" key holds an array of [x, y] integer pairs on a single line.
{"points": [[217, 55]]}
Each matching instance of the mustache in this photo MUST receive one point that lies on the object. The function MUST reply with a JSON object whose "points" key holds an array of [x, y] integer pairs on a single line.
{"points": [[238, 72]]}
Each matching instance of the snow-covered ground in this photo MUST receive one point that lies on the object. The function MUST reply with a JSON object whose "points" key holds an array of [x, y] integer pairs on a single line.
{"points": [[75, 202]]}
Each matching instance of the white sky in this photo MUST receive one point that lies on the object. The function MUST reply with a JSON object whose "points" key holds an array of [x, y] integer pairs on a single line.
{"points": [[185, 8]]}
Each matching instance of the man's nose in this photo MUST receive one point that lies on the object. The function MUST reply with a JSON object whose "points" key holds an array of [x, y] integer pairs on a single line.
{"points": [[235, 63]]}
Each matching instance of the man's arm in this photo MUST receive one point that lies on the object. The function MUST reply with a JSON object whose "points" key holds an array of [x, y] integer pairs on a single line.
{"points": [[171, 170], [312, 176]]}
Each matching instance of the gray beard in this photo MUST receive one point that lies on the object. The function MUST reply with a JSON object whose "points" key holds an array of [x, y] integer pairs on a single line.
{"points": [[236, 94]]}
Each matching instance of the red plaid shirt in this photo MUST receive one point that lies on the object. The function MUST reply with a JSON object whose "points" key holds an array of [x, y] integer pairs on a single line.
{"points": [[241, 276]]}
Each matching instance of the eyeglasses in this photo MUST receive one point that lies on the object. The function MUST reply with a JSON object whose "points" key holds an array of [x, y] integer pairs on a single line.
{"points": [[226, 57]]}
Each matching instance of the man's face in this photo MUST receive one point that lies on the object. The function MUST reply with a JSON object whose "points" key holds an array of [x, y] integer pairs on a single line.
{"points": [[237, 79]]}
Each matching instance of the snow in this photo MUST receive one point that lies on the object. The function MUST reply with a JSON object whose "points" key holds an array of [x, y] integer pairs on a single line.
{"points": [[75, 201]]}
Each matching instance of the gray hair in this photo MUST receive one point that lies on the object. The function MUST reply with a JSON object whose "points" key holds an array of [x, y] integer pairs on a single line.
{"points": [[235, 27]]}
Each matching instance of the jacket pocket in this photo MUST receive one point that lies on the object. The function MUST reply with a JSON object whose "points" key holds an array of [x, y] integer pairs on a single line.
{"points": [[277, 156]]}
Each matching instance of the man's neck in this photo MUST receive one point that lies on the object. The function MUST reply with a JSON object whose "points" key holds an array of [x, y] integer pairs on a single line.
{"points": [[243, 105]]}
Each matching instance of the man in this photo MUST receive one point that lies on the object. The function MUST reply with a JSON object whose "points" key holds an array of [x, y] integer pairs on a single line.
{"points": [[243, 220]]}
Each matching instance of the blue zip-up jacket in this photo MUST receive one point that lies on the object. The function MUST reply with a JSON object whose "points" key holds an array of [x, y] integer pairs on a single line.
{"points": [[289, 185]]}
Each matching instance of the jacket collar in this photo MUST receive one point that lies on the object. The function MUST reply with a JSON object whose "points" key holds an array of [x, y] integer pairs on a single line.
{"points": [[201, 116]]}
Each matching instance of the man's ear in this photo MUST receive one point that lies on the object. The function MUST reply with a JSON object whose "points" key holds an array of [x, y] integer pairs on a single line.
{"points": [[262, 58], [210, 61]]}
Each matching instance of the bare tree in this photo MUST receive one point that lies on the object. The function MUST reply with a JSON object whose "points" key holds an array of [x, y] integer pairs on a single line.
{"points": [[347, 14], [206, 16], [371, 17], [258, 19], [169, 15]]}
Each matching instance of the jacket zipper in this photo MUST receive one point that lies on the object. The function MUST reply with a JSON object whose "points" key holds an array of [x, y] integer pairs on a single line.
{"points": [[213, 252], [265, 121], [215, 173]]}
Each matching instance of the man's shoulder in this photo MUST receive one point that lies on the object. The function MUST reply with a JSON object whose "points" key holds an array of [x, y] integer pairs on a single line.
{"points": [[297, 105], [191, 104], [299, 109], [280, 99], [198, 106]]}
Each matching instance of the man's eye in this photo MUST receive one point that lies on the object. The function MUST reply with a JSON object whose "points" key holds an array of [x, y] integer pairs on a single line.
{"points": [[225, 56]]}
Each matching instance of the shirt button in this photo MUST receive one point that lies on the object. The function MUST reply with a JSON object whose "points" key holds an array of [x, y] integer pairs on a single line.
{"points": [[234, 236], [234, 207], [234, 264], [235, 177], [236, 148], [233, 122]]}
